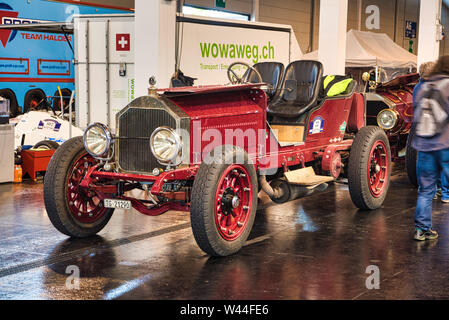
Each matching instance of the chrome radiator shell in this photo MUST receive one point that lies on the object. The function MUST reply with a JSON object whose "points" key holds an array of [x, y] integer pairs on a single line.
{"points": [[135, 124]]}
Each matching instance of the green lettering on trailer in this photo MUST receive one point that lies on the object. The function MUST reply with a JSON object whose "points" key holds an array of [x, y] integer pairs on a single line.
{"points": [[205, 49]]}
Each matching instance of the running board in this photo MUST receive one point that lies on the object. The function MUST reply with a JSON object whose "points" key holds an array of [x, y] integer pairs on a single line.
{"points": [[306, 177]]}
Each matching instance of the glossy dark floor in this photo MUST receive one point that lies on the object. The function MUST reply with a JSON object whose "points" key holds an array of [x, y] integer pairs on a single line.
{"points": [[313, 248]]}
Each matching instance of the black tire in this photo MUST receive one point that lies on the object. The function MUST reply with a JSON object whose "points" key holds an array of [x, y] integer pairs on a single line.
{"points": [[411, 157], [35, 96], [13, 105], [359, 163], [55, 192], [202, 212], [51, 145], [66, 93]]}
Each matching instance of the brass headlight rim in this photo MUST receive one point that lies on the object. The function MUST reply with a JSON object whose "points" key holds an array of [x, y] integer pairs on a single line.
{"points": [[180, 147], [396, 119], [108, 135]]}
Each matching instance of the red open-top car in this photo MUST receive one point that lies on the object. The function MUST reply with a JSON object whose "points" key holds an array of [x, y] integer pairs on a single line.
{"points": [[390, 106], [209, 150]]}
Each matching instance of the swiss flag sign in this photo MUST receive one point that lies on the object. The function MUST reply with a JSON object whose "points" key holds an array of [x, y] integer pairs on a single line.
{"points": [[123, 42]]}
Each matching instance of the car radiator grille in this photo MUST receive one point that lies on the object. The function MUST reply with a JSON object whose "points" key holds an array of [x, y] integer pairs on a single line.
{"points": [[134, 155]]}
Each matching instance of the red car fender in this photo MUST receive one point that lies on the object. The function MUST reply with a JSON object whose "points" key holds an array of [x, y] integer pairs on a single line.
{"points": [[356, 119]]}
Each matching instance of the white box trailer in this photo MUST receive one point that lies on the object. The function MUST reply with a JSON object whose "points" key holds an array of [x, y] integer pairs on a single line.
{"points": [[208, 46], [104, 56], [104, 66]]}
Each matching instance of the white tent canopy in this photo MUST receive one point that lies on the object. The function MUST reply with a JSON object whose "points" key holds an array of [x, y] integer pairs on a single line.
{"points": [[369, 49]]}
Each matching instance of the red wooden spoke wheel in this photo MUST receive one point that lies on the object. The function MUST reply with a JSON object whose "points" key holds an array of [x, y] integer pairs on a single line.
{"points": [[73, 210], [233, 201], [85, 206], [369, 168], [378, 169], [224, 202]]}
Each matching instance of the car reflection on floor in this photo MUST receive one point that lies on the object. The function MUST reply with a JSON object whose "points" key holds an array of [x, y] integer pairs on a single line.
{"points": [[313, 248]]}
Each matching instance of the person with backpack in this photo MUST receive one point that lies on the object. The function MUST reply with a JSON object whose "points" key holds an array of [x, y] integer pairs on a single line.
{"points": [[431, 140], [425, 71]]}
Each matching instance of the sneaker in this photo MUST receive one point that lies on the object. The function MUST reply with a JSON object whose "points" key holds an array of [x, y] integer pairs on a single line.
{"points": [[421, 235], [439, 193], [445, 200]]}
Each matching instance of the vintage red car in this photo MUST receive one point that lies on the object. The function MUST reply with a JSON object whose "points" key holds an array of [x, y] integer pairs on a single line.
{"points": [[390, 106], [209, 150]]}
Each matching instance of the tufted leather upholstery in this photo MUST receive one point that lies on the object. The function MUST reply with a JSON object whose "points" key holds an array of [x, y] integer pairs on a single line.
{"points": [[271, 73], [299, 91]]}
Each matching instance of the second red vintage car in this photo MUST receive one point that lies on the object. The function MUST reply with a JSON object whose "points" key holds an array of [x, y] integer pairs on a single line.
{"points": [[209, 150], [390, 106]]}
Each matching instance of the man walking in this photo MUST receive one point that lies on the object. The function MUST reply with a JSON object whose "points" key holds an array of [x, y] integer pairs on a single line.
{"points": [[425, 71], [431, 140]]}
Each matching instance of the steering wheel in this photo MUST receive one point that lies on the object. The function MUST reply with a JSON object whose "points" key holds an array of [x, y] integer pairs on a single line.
{"points": [[235, 79], [397, 74], [382, 75]]}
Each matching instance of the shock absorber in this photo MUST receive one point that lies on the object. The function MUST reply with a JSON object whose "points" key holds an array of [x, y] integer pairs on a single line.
{"points": [[120, 188]]}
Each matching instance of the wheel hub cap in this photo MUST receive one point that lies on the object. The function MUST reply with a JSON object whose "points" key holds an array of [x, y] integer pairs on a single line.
{"points": [[377, 168], [229, 201], [235, 202]]}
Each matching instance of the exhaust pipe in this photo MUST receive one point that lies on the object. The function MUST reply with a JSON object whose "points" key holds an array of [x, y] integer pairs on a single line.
{"points": [[286, 192], [297, 192], [272, 193]]}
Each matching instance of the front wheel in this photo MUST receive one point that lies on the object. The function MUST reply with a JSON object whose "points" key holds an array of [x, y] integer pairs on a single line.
{"points": [[72, 210], [369, 168], [34, 100], [224, 203]]}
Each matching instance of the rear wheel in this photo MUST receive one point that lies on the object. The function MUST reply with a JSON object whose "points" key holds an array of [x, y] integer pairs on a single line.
{"points": [[34, 100], [369, 168], [13, 106], [224, 203], [66, 93], [73, 210]]}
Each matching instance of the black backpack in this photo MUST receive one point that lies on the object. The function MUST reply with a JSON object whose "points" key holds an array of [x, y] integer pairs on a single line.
{"points": [[431, 116]]}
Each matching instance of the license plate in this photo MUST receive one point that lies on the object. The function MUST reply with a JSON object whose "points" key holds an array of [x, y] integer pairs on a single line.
{"points": [[117, 204]]}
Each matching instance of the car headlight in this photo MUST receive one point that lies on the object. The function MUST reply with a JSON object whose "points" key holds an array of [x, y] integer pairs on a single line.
{"points": [[387, 119], [166, 146], [97, 140]]}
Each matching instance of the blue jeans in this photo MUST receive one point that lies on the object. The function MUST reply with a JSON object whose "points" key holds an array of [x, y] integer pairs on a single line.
{"points": [[444, 187], [430, 167]]}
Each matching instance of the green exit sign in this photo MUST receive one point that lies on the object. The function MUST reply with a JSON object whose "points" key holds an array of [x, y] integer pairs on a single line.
{"points": [[220, 3]]}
